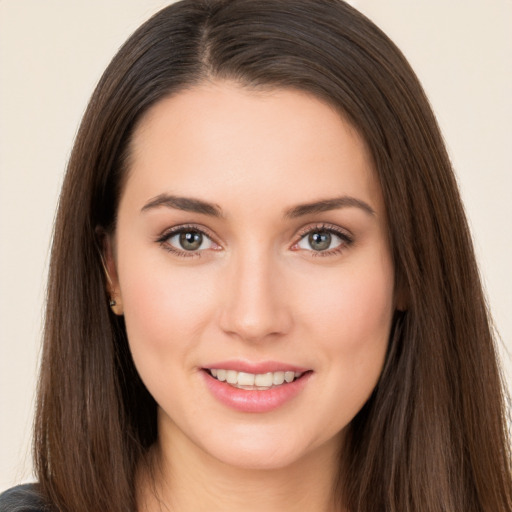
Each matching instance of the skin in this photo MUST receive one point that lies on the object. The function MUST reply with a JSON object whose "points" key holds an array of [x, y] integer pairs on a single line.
{"points": [[257, 292]]}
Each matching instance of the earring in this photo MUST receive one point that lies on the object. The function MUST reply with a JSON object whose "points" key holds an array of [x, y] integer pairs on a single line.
{"points": [[115, 306]]}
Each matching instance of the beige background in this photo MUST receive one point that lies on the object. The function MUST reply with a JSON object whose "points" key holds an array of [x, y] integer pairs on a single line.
{"points": [[52, 52]]}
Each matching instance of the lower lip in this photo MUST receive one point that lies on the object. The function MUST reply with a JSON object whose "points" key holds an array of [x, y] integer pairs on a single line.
{"points": [[245, 400]]}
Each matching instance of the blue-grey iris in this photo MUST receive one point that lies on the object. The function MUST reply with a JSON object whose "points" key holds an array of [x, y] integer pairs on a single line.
{"points": [[320, 240]]}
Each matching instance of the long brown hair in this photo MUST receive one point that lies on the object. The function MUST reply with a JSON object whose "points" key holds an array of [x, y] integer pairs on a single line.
{"points": [[433, 435]]}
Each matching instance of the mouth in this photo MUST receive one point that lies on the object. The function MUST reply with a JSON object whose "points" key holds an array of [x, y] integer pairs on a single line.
{"points": [[255, 381], [255, 387]]}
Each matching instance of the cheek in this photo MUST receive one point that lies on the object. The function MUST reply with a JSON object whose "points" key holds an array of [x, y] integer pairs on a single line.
{"points": [[353, 306], [350, 319], [351, 322], [164, 306], [166, 309]]}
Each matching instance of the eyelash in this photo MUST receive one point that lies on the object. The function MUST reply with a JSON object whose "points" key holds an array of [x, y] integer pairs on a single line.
{"points": [[164, 238], [346, 239]]}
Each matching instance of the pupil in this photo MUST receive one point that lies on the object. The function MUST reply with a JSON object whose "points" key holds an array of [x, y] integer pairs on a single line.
{"points": [[191, 240], [320, 241]]}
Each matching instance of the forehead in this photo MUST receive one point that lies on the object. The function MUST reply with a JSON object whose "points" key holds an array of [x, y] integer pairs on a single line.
{"points": [[230, 142]]}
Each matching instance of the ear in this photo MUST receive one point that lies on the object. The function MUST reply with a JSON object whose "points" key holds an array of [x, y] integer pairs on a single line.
{"points": [[108, 261]]}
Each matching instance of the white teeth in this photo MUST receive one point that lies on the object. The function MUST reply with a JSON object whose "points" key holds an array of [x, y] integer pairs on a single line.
{"points": [[245, 379], [254, 381], [278, 378], [231, 377], [263, 379], [289, 376]]}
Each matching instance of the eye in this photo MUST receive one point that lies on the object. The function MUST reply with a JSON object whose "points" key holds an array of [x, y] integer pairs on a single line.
{"points": [[323, 240], [190, 241], [186, 241], [320, 241]]}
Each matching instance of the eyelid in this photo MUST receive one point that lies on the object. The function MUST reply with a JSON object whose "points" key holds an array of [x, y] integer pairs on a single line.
{"points": [[325, 226], [166, 233]]}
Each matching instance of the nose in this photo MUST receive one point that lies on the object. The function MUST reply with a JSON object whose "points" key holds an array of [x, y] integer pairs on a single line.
{"points": [[255, 306]]}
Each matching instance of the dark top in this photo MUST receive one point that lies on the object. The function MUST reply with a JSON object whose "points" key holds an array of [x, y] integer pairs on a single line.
{"points": [[23, 498]]}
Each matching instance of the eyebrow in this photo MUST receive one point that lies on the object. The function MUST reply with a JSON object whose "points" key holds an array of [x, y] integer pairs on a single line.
{"points": [[193, 205], [326, 205], [186, 204]]}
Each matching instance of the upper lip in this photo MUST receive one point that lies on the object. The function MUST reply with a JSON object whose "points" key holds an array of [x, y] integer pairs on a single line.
{"points": [[256, 367]]}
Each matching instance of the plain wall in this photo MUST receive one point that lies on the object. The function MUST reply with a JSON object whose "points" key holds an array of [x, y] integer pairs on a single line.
{"points": [[53, 52]]}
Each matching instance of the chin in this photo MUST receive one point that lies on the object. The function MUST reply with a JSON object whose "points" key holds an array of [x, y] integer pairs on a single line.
{"points": [[266, 451]]}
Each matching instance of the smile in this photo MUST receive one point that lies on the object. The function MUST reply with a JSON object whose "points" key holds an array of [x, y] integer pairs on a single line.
{"points": [[254, 381], [252, 387]]}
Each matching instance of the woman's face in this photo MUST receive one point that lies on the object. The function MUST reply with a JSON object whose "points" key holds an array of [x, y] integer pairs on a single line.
{"points": [[251, 245]]}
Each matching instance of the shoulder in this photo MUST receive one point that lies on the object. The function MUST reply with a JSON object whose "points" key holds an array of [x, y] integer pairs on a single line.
{"points": [[23, 498]]}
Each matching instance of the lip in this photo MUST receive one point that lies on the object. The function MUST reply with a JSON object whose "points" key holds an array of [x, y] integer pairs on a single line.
{"points": [[255, 401], [253, 367]]}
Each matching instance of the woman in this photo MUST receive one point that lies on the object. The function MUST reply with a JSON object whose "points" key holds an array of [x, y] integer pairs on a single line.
{"points": [[262, 289]]}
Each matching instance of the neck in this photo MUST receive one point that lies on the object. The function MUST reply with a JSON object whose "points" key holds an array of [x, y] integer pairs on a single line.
{"points": [[180, 476]]}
